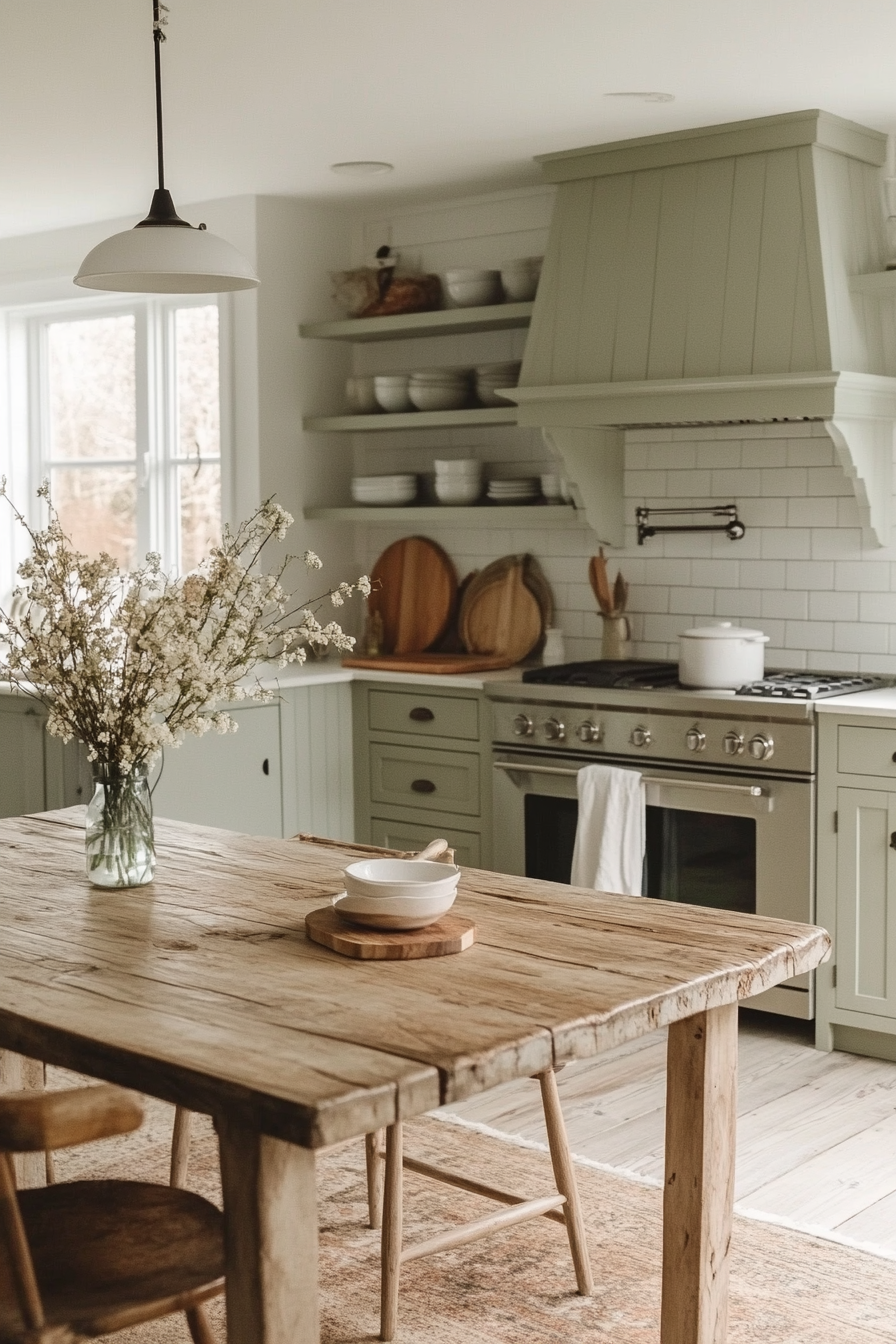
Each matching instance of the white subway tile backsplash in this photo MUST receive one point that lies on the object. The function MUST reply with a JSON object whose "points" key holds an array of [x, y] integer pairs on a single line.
{"points": [[718, 455], [810, 574], [738, 603], [769, 454], [696, 601], [824, 606], [820, 511], [658, 570], [877, 607], [790, 481], [672, 456], [863, 576], [763, 573], [762, 513], [786, 543], [650, 597], [715, 573], [734, 483], [790, 606], [809, 635], [835, 543], [862, 638], [877, 662], [817, 453], [824, 661], [692, 486], [828, 481]]}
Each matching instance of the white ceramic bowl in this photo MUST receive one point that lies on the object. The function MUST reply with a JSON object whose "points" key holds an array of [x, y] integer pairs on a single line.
{"points": [[458, 492], [519, 278], [460, 466], [439, 396], [441, 375], [392, 393], [361, 395], [472, 288], [397, 912], [379, 878]]}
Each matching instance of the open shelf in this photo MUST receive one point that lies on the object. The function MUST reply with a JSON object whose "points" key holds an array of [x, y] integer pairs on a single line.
{"points": [[477, 415], [491, 515], [446, 322]]}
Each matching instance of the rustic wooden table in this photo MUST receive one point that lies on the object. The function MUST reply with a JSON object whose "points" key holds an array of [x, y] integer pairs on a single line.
{"points": [[203, 990]]}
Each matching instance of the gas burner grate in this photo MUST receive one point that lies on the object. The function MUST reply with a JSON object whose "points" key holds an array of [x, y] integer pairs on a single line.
{"points": [[807, 686]]}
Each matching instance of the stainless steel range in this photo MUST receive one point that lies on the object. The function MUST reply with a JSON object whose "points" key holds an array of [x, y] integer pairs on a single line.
{"points": [[730, 783]]}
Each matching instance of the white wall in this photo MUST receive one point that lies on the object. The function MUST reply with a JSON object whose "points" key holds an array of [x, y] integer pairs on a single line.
{"points": [[802, 573]]}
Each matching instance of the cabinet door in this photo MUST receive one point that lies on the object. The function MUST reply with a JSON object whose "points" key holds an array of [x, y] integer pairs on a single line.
{"points": [[230, 780], [21, 757], [866, 901]]}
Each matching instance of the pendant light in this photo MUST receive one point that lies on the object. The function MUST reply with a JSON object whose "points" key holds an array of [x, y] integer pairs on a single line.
{"points": [[164, 254]]}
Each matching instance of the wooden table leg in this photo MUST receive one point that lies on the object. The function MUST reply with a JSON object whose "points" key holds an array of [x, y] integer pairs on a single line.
{"points": [[20, 1074], [701, 1123], [270, 1233]]}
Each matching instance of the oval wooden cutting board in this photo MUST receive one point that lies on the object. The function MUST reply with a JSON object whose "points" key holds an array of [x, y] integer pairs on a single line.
{"points": [[500, 614], [414, 590]]}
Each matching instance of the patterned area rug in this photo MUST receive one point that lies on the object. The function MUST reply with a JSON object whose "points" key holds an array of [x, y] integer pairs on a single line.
{"points": [[518, 1287]]}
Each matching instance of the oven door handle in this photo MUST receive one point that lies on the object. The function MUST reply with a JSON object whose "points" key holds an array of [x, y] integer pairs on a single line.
{"points": [[749, 790]]}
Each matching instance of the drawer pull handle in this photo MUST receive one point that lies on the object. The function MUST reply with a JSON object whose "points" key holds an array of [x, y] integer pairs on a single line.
{"points": [[423, 786], [894, 758], [893, 840], [265, 766], [420, 714]]}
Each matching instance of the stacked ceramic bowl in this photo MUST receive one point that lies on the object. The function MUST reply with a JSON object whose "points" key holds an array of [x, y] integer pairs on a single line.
{"points": [[391, 391], [517, 490], [458, 481], [397, 893], [400, 488], [519, 278], [471, 287], [439, 389], [489, 377]]}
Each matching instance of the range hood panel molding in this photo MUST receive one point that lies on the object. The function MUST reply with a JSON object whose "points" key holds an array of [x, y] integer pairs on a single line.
{"points": [[703, 277]]}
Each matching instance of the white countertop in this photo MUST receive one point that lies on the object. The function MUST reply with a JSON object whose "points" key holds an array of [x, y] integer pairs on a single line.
{"points": [[876, 704], [316, 673]]}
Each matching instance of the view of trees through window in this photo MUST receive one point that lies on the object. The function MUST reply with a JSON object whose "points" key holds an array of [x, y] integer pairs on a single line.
{"points": [[116, 486]]}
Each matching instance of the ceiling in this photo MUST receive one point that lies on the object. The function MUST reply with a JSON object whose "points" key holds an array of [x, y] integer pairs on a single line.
{"points": [[262, 96]]}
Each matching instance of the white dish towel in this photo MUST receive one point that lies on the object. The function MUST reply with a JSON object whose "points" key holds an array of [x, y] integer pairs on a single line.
{"points": [[609, 848]]}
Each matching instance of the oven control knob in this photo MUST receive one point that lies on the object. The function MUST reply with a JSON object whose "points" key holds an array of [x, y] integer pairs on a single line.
{"points": [[640, 737], [695, 739], [590, 732], [733, 743], [761, 748], [554, 730], [523, 726]]}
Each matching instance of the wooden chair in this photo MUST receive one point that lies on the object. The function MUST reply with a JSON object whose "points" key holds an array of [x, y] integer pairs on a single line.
{"points": [[87, 1258], [563, 1207]]}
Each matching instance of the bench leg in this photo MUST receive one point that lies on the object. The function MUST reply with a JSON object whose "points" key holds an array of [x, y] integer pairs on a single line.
{"points": [[373, 1149], [180, 1147], [565, 1179], [392, 1233]]}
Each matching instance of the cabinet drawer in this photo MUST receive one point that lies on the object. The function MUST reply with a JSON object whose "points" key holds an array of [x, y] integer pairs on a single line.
{"points": [[434, 781], [866, 751], [430, 715], [409, 835]]}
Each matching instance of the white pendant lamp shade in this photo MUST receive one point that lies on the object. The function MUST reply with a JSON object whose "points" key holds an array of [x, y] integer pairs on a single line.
{"points": [[163, 254], [166, 259]]}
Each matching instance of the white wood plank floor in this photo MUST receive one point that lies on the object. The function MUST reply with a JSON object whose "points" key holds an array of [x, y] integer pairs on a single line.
{"points": [[816, 1132]]}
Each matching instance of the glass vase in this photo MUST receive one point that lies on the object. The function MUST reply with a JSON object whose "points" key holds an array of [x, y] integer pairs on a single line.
{"points": [[120, 845]]}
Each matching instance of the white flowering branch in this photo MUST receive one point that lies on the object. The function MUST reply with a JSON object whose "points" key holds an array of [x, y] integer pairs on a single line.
{"points": [[130, 662]]}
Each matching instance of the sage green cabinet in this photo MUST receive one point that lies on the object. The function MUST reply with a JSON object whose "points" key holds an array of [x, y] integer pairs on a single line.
{"points": [[37, 772], [856, 990], [421, 768]]}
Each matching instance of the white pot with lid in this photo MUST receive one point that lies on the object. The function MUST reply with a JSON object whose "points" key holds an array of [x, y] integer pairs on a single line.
{"points": [[721, 657]]}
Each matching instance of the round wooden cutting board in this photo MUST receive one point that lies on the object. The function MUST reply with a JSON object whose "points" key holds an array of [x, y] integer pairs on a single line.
{"points": [[414, 590], [500, 613], [450, 934]]}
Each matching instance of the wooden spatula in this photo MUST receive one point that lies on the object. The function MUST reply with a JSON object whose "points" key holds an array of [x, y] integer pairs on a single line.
{"points": [[620, 594], [600, 584]]}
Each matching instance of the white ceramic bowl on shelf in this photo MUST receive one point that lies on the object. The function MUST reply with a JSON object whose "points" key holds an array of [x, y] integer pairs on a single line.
{"points": [[458, 492], [519, 278], [395, 489], [460, 466], [473, 288], [391, 391]]}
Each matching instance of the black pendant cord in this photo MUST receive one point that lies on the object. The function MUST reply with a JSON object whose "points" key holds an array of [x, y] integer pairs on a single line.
{"points": [[158, 37], [162, 210]]}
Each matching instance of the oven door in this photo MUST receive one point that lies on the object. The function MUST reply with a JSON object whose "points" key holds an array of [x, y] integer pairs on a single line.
{"points": [[712, 840]]}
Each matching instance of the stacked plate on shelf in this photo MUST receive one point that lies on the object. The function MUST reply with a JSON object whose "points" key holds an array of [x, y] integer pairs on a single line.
{"points": [[514, 490], [489, 377], [439, 389], [400, 488]]}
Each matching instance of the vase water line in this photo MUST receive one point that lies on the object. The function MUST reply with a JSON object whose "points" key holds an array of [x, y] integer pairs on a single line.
{"points": [[119, 839]]}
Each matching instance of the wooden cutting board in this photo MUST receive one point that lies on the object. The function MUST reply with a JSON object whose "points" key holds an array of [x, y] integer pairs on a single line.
{"points": [[500, 614], [534, 578], [436, 664], [450, 934], [414, 590]]}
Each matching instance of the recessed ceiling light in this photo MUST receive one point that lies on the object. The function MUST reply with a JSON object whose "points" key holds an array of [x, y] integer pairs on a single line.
{"points": [[361, 167], [645, 97]]}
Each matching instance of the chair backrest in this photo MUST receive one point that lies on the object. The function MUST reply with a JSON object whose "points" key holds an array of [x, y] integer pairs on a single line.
{"points": [[29, 1122], [41, 1121]]}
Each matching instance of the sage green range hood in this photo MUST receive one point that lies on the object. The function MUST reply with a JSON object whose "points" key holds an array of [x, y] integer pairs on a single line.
{"points": [[729, 274]]}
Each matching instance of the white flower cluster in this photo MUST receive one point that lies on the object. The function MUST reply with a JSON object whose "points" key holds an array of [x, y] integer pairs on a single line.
{"points": [[131, 662]]}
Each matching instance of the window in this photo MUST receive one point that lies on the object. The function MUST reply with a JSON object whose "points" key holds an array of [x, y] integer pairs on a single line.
{"points": [[124, 417]]}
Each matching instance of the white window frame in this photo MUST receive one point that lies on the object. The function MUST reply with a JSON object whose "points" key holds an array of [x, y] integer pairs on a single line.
{"points": [[27, 461]]}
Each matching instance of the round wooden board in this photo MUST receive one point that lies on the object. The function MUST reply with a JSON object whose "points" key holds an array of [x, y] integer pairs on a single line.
{"points": [[500, 614], [452, 933], [414, 590]]}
